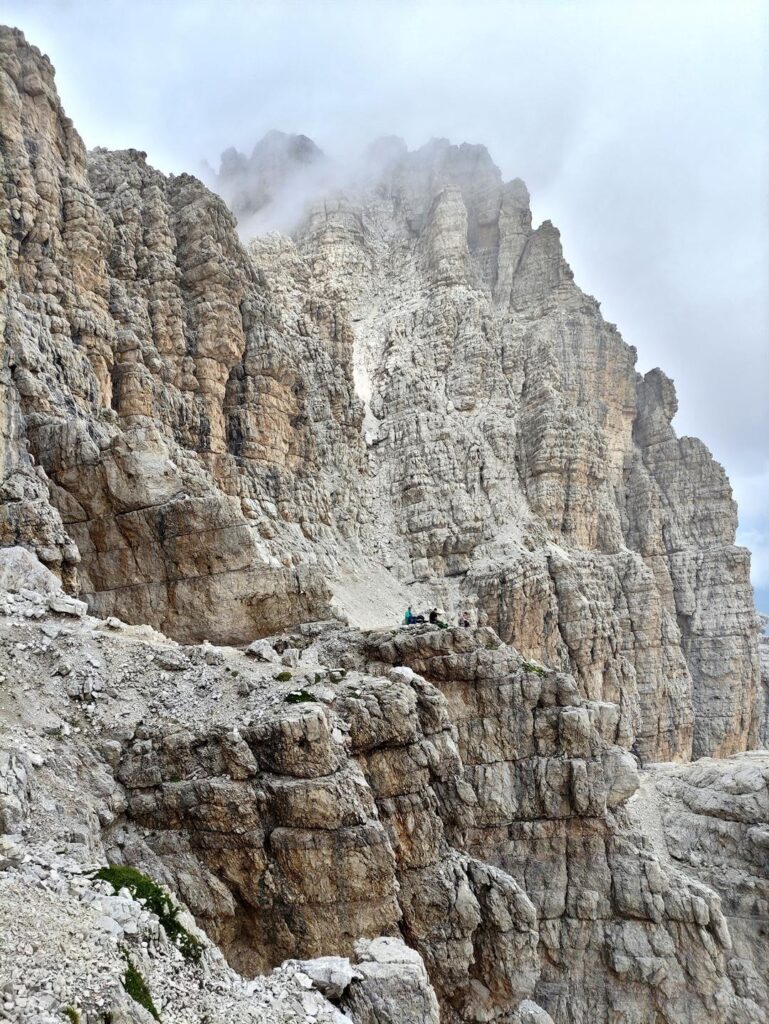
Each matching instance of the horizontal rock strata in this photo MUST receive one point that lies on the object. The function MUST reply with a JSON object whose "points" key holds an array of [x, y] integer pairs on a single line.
{"points": [[429, 785], [264, 447], [207, 439]]}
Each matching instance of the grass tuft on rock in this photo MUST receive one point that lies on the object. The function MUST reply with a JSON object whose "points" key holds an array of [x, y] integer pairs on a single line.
{"points": [[529, 666], [155, 900], [137, 988], [72, 1014], [283, 677]]}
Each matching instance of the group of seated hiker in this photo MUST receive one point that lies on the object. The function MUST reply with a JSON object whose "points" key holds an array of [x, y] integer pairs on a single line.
{"points": [[413, 618]]}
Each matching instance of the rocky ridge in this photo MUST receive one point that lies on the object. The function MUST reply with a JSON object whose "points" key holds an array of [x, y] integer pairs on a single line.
{"points": [[64, 814], [408, 400], [428, 785]]}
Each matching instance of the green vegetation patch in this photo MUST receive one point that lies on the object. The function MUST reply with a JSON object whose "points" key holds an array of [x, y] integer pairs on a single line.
{"points": [[157, 901], [529, 666], [283, 677], [137, 988], [298, 697], [72, 1014]]}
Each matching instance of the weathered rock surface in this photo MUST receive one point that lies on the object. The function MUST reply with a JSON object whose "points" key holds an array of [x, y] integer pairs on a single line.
{"points": [[421, 784], [711, 820], [763, 653], [391, 985], [145, 371], [410, 399], [543, 798], [67, 938], [518, 463], [413, 390]]}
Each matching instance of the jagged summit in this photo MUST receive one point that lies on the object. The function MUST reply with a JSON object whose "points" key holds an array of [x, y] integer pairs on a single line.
{"points": [[291, 173], [278, 162]]}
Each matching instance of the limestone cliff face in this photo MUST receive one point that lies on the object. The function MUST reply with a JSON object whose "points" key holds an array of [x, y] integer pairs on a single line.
{"points": [[409, 396], [207, 439], [519, 465], [449, 791], [195, 416], [712, 824], [763, 651], [178, 422]]}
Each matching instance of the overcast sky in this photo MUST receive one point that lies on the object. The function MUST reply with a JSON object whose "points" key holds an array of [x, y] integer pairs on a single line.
{"points": [[641, 129]]}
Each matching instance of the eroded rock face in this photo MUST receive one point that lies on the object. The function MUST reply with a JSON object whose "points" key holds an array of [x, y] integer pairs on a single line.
{"points": [[520, 465], [712, 821], [424, 785], [315, 827], [208, 439], [544, 786], [219, 441], [465, 798], [763, 650], [145, 371], [393, 985]]}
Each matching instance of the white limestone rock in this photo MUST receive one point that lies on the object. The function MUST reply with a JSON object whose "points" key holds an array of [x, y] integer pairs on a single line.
{"points": [[331, 975]]}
